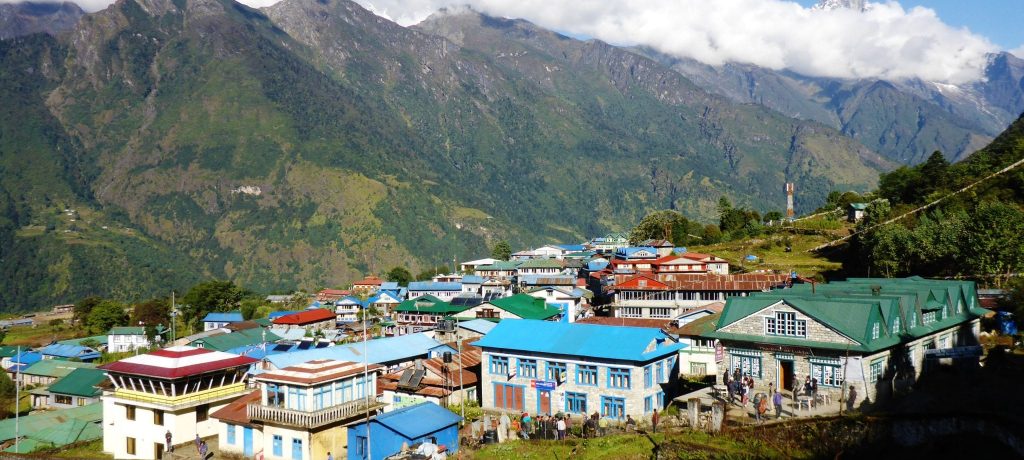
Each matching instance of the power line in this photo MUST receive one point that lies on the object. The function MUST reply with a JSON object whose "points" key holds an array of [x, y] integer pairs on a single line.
{"points": [[919, 209]]}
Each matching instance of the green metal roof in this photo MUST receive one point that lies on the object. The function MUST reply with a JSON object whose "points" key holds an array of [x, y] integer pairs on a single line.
{"points": [[525, 306], [541, 263], [55, 367], [80, 382], [39, 423], [854, 306], [127, 330], [429, 304], [8, 351], [242, 338], [500, 265]]}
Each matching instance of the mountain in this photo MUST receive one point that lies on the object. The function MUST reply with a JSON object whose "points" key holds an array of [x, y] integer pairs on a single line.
{"points": [[303, 145], [905, 121], [17, 19]]}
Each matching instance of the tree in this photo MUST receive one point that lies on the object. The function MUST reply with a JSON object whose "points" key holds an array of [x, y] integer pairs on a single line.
{"points": [[84, 307], [772, 216], [7, 389], [152, 312], [105, 316], [3, 335], [1014, 300], [210, 296], [250, 306], [502, 250], [995, 240], [399, 275], [665, 224]]}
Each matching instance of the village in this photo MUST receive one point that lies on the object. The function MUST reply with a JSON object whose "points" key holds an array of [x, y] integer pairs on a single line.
{"points": [[560, 340]]}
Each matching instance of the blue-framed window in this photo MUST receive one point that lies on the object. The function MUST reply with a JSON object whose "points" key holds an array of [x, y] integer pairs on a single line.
{"points": [[360, 387], [278, 445], [671, 364], [828, 375], [586, 375], [296, 449], [659, 399], [648, 404], [297, 398], [875, 370], [499, 365], [648, 379], [619, 377], [323, 397], [346, 391], [555, 371], [527, 368], [661, 372], [750, 365], [575, 403], [612, 407], [275, 395], [231, 434]]}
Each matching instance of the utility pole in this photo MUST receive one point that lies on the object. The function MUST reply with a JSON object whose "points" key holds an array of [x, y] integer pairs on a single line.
{"points": [[17, 401]]}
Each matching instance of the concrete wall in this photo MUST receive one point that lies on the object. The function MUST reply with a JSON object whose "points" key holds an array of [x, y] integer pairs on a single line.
{"points": [[182, 424], [754, 325]]}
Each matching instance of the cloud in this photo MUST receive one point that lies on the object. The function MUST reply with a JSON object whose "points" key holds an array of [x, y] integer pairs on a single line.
{"points": [[886, 41], [87, 5], [1018, 51]]}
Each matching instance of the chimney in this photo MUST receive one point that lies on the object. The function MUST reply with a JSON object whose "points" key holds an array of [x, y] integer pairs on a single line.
{"points": [[790, 212]]}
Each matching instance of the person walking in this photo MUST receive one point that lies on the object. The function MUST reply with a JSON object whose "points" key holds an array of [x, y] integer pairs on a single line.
{"points": [[654, 421], [198, 441], [757, 407], [762, 407], [203, 450], [560, 426], [777, 401], [526, 424], [851, 399], [167, 437]]}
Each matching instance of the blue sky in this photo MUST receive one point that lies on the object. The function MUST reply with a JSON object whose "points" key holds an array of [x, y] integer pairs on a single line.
{"points": [[1001, 21]]}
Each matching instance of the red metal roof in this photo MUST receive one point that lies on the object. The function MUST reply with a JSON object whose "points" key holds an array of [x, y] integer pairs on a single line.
{"points": [[369, 281], [235, 411], [629, 322], [177, 362], [306, 317]]}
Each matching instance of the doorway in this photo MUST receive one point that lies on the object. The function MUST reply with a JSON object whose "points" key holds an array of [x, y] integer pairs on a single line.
{"points": [[786, 374], [543, 402], [158, 449]]}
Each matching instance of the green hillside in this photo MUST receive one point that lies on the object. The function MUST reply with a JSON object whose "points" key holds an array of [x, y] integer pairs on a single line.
{"points": [[308, 144]]}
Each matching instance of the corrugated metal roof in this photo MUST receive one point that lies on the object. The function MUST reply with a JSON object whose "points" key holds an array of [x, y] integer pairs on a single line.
{"points": [[419, 420], [62, 350], [40, 421], [306, 317], [54, 367], [223, 317], [573, 339], [80, 382], [477, 325], [384, 350], [433, 286]]}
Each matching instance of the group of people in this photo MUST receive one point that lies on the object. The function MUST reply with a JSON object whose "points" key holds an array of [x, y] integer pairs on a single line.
{"points": [[810, 388], [552, 426], [738, 385]]}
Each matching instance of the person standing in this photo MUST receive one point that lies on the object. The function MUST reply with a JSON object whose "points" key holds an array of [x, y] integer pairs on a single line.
{"points": [[560, 426], [203, 450], [329, 456], [728, 385], [814, 392], [777, 401], [198, 441], [167, 437], [654, 421], [851, 399]]}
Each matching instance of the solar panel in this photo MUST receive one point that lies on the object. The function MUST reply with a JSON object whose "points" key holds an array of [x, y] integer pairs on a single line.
{"points": [[406, 378]]}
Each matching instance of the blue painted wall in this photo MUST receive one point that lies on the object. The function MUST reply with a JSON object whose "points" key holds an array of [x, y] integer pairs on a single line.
{"points": [[384, 441]]}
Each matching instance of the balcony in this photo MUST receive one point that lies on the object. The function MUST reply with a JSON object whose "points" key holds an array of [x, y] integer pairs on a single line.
{"points": [[181, 401], [303, 419]]}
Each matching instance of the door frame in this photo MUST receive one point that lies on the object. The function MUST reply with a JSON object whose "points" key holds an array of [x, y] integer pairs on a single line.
{"points": [[539, 411]]}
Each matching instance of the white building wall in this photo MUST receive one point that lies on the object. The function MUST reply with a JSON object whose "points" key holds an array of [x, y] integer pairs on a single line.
{"points": [[182, 424]]}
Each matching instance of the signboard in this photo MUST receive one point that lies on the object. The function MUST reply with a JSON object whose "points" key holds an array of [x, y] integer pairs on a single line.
{"points": [[853, 369], [546, 385], [958, 352], [719, 352]]}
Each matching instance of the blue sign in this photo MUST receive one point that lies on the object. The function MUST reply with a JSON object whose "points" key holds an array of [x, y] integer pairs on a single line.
{"points": [[543, 385]]}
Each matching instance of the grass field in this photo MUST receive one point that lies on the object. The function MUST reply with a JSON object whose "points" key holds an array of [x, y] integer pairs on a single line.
{"points": [[772, 255], [91, 449], [684, 445], [39, 335]]}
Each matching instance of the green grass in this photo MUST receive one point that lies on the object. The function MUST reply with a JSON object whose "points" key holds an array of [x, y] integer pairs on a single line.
{"points": [[91, 449], [686, 444], [772, 255], [41, 334]]}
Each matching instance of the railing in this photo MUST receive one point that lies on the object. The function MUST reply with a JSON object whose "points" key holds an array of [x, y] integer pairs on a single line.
{"points": [[315, 419], [187, 399]]}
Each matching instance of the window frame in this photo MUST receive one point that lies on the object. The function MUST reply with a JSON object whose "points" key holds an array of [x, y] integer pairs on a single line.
{"points": [[620, 378], [589, 371]]}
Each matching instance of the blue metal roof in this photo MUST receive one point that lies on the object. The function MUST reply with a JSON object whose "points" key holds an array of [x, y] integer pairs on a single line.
{"points": [[226, 317], [419, 420], [572, 247], [574, 339], [278, 314], [27, 357], [474, 279], [390, 349], [597, 264], [349, 300], [388, 285], [628, 252], [478, 325], [69, 351], [432, 286], [377, 298]]}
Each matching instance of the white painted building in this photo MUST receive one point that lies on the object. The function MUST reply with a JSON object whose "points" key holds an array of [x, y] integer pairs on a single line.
{"points": [[121, 339], [174, 389]]}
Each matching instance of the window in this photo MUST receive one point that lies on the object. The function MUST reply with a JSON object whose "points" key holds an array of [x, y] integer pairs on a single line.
{"points": [[231, 434], [586, 375], [661, 372], [671, 364], [202, 412], [527, 368], [659, 399], [278, 445], [630, 312], [698, 369], [828, 375], [647, 376], [618, 378], [158, 417], [130, 446], [648, 404], [575, 403], [613, 407], [785, 323], [499, 365], [661, 312], [555, 371], [509, 396], [82, 401], [296, 449], [928, 317], [129, 413], [876, 370], [875, 330], [323, 397], [748, 365], [62, 399], [896, 325]]}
